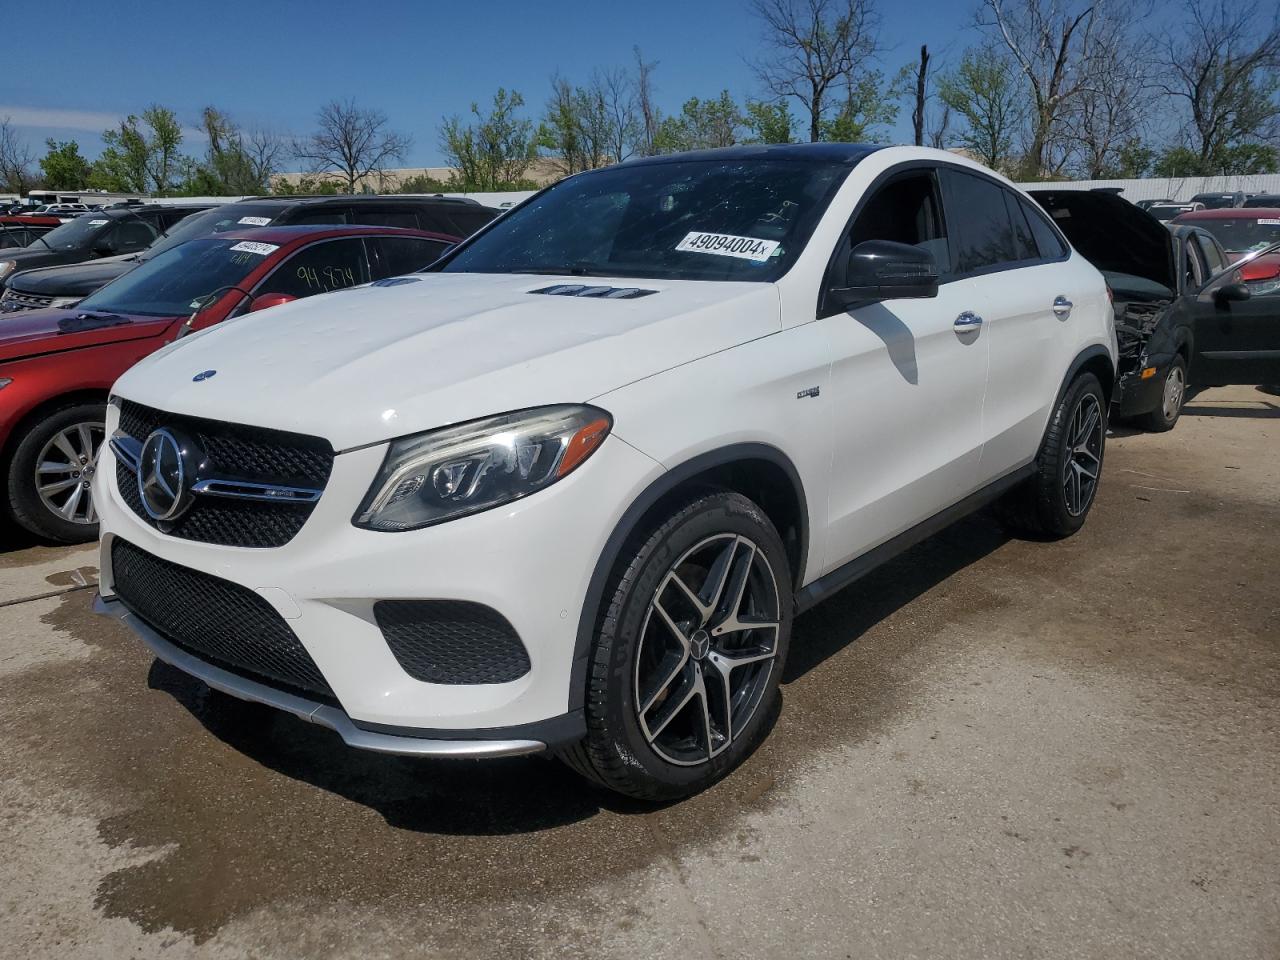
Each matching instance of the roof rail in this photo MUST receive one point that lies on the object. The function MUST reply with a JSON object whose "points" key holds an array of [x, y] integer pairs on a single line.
{"points": [[363, 196]]}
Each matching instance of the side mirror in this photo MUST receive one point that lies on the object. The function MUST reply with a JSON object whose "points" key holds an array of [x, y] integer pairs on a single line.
{"points": [[1229, 292], [885, 270], [269, 300]]}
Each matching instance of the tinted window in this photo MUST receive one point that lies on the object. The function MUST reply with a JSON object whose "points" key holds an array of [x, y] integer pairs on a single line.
{"points": [[681, 220], [1212, 257], [385, 218], [458, 219], [231, 216], [77, 234], [1026, 246], [130, 236], [984, 238], [173, 283], [1236, 234], [394, 256], [905, 210], [319, 215], [320, 268], [1048, 244]]}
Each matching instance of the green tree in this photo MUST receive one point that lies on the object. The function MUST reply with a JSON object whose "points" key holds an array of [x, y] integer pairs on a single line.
{"points": [[769, 122], [701, 124], [162, 141], [63, 166], [577, 127], [1133, 160], [122, 165], [866, 110], [983, 91], [495, 151]]}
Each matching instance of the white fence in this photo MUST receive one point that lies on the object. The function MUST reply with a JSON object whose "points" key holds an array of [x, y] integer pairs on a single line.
{"points": [[1171, 188]]}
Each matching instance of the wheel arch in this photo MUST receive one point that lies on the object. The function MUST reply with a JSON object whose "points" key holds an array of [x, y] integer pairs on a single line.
{"points": [[24, 422], [1095, 359], [759, 471]]}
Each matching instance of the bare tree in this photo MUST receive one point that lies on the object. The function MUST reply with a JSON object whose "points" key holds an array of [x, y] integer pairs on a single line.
{"points": [[649, 117], [813, 47], [16, 160], [618, 95], [922, 96], [265, 151], [351, 140], [1054, 43], [1112, 107], [1223, 66]]}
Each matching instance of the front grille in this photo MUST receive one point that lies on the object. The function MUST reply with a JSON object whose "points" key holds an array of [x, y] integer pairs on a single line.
{"points": [[241, 452], [218, 621], [451, 641], [14, 300]]}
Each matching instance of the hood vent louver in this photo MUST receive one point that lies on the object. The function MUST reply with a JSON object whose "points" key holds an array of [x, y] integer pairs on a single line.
{"points": [[598, 293], [394, 281]]}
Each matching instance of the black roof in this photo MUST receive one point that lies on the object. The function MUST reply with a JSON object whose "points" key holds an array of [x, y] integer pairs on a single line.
{"points": [[848, 153], [320, 199]]}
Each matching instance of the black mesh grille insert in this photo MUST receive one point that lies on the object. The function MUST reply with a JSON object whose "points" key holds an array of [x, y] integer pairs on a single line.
{"points": [[246, 453], [451, 641], [216, 620]]}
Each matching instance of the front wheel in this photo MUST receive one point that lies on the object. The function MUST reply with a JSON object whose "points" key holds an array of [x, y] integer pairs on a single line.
{"points": [[683, 681], [1172, 398], [51, 472], [1057, 498]]}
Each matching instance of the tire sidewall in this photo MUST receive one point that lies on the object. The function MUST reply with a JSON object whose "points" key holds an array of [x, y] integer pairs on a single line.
{"points": [[1165, 421], [25, 506], [714, 514], [1054, 458]]}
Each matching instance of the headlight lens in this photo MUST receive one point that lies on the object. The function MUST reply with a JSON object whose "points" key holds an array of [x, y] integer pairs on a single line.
{"points": [[444, 474], [6, 267]]}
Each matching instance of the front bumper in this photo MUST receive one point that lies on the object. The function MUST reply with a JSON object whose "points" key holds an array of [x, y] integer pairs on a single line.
{"points": [[531, 561], [1135, 396]]}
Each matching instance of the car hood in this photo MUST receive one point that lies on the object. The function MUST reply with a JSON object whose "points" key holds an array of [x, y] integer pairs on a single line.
{"points": [[27, 258], [1113, 234], [361, 366], [72, 280], [31, 333]]}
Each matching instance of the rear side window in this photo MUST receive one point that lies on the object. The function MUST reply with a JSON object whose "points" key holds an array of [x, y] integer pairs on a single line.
{"points": [[1048, 243], [460, 220], [1023, 241], [320, 268], [384, 218], [393, 256], [985, 238], [320, 215]]}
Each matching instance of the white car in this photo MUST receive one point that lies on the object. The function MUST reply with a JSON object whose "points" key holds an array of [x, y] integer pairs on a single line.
{"points": [[566, 490]]}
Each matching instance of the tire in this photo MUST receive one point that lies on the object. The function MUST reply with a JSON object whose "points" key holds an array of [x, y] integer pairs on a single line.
{"points": [[652, 630], [1173, 397], [1055, 501], [75, 459]]}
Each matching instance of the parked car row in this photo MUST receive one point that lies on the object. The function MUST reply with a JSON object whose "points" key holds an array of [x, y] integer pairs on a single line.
{"points": [[564, 488]]}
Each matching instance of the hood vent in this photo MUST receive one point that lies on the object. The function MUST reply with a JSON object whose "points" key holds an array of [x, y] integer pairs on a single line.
{"points": [[599, 293], [394, 281]]}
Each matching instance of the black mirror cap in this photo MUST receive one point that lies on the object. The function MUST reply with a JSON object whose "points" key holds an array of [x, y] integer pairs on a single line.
{"points": [[1229, 292], [885, 270]]}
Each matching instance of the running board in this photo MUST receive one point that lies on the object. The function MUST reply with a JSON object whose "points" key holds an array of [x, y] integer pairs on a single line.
{"points": [[860, 566]]}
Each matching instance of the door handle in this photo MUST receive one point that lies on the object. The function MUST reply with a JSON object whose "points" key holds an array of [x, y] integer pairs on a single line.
{"points": [[968, 321], [1062, 307]]}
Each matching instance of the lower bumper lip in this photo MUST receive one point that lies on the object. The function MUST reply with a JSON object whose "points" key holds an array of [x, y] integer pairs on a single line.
{"points": [[309, 710]]}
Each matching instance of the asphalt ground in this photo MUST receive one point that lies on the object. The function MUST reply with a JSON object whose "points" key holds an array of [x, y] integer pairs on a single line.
{"points": [[988, 748]]}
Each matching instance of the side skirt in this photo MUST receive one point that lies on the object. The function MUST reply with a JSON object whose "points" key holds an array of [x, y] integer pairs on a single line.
{"points": [[859, 567]]}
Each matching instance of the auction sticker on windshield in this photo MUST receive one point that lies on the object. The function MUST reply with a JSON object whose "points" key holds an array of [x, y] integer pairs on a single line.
{"points": [[727, 245], [252, 246], [255, 221]]}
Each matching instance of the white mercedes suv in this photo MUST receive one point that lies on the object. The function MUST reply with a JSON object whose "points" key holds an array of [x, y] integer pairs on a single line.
{"points": [[565, 490]]}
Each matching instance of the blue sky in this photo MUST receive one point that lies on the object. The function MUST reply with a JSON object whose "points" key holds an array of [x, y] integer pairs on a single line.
{"points": [[273, 63]]}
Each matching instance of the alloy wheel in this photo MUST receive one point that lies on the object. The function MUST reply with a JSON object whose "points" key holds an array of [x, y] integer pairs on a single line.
{"points": [[707, 647], [64, 472], [1084, 455], [1175, 388]]}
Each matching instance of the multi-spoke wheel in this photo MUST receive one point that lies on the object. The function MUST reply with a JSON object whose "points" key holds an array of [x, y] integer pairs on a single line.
{"points": [[707, 647], [1173, 395], [1083, 462], [51, 474], [1056, 499], [685, 668]]}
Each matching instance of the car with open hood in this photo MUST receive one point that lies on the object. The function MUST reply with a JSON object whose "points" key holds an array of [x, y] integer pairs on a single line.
{"points": [[565, 490], [1185, 316], [63, 286], [56, 365]]}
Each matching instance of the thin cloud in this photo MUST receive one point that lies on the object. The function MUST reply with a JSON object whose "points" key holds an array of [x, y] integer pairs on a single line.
{"points": [[91, 121]]}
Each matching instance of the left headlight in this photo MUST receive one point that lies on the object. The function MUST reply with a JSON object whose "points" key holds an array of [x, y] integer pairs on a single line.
{"points": [[444, 474], [6, 267]]}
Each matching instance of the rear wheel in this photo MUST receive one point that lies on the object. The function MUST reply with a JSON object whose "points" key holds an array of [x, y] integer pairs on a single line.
{"points": [[1055, 501], [1172, 398], [52, 470], [683, 681]]}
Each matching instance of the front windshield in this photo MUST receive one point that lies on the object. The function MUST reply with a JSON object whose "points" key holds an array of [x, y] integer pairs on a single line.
{"points": [[1242, 234], [175, 283], [232, 216], [73, 235], [682, 220]]}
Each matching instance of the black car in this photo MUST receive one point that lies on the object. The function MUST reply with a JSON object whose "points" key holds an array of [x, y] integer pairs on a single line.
{"points": [[1219, 201], [1263, 200], [107, 233], [1184, 318], [63, 286]]}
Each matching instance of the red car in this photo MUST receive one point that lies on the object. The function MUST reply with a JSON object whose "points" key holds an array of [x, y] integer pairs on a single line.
{"points": [[1241, 230], [57, 366]]}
